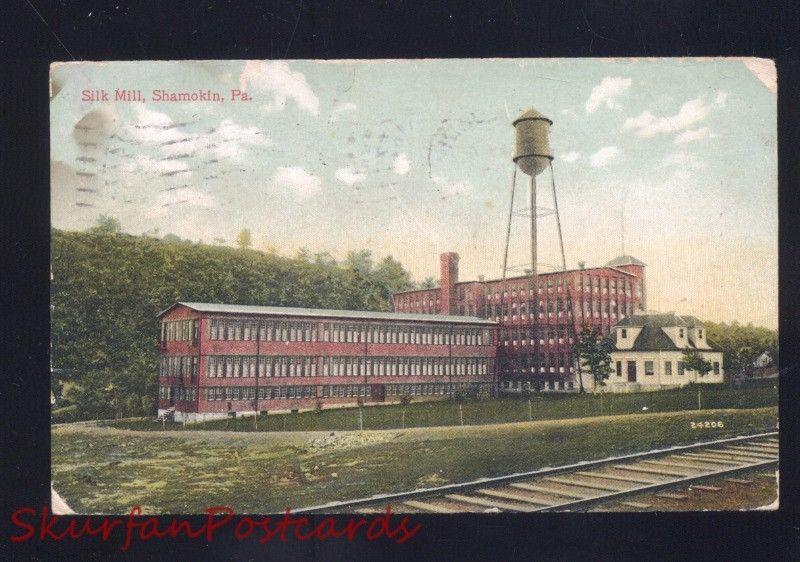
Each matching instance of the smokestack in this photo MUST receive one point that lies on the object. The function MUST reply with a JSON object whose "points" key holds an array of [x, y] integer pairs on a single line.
{"points": [[448, 277]]}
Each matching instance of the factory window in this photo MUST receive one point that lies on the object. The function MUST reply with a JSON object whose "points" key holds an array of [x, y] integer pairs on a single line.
{"points": [[668, 368], [649, 369]]}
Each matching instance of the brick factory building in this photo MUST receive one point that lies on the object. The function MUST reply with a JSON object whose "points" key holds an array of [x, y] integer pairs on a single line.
{"points": [[530, 348], [219, 360]]}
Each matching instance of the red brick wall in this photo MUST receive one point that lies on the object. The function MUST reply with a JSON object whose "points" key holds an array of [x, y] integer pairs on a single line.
{"points": [[205, 347]]}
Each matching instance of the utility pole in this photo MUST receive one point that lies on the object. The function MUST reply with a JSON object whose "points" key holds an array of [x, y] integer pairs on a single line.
{"points": [[258, 370]]}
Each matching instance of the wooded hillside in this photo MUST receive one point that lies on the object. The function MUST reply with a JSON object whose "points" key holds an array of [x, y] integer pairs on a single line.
{"points": [[108, 287]]}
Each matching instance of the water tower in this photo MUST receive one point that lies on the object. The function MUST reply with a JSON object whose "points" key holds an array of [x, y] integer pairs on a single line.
{"points": [[532, 155]]}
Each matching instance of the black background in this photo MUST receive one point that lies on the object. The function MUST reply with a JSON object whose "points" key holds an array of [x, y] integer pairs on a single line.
{"points": [[34, 33]]}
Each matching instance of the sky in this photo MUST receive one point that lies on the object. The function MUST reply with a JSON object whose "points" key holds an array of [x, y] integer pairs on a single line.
{"points": [[413, 158]]}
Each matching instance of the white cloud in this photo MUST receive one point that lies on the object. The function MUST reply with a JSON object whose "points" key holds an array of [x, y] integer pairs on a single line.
{"points": [[570, 156], [692, 135], [604, 156], [297, 180], [682, 159], [349, 176], [276, 77], [401, 164], [343, 107], [648, 125], [606, 93], [451, 188], [722, 96]]}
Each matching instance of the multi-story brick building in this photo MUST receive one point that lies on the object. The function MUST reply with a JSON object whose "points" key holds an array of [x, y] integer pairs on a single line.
{"points": [[535, 342], [218, 360]]}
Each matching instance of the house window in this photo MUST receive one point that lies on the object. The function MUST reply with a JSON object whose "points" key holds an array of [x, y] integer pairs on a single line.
{"points": [[624, 333], [681, 368], [648, 368], [699, 333], [680, 332], [716, 367], [668, 368], [619, 368]]}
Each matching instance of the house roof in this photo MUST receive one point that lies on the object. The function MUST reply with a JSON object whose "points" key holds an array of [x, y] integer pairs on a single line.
{"points": [[652, 336], [666, 320], [326, 313], [624, 260]]}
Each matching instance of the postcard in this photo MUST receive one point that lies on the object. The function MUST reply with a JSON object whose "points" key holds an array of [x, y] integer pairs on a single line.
{"points": [[414, 286]]}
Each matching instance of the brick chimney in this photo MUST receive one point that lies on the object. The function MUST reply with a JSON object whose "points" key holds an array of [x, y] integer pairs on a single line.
{"points": [[448, 277]]}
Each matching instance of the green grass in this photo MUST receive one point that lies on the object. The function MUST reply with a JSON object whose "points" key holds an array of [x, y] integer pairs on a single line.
{"points": [[105, 470], [487, 411]]}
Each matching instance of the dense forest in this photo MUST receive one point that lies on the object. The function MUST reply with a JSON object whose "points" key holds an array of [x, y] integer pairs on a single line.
{"points": [[108, 287]]}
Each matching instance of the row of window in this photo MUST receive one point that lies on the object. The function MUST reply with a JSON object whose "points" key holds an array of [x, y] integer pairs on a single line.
{"points": [[178, 366], [425, 389], [226, 366], [549, 385], [233, 366], [264, 392], [177, 392], [649, 368], [179, 330], [296, 330]]}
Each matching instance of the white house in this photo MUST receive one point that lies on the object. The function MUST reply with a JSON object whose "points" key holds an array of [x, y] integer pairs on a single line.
{"points": [[648, 353]]}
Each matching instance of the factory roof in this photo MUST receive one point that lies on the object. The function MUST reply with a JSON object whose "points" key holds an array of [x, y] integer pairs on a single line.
{"points": [[624, 260], [325, 313]]}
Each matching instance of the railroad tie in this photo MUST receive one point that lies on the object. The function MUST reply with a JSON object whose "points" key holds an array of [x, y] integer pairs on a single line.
{"points": [[710, 459], [490, 503], [678, 465], [741, 457], [753, 454], [546, 490], [671, 496], [649, 470], [754, 448], [745, 451], [516, 497], [574, 482], [633, 479], [425, 506], [637, 505]]}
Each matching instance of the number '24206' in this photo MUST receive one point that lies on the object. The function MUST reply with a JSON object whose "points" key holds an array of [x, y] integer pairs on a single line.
{"points": [[707, 425]]}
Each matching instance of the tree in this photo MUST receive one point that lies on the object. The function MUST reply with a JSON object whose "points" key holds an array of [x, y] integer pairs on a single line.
{"points": [[244, 239], [107, 291], [693, 360], [107, 225], [741, 345], [594, 354]]}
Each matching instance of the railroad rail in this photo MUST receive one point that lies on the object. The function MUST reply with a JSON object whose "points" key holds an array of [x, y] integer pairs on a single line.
{"points": [[579, 485]]}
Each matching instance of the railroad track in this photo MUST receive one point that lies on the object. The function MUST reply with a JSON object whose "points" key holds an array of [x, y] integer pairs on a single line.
{"points": [[580, 485]]}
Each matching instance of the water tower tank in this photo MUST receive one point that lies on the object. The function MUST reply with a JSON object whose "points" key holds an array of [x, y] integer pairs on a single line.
{"points": [[532, 153]]}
